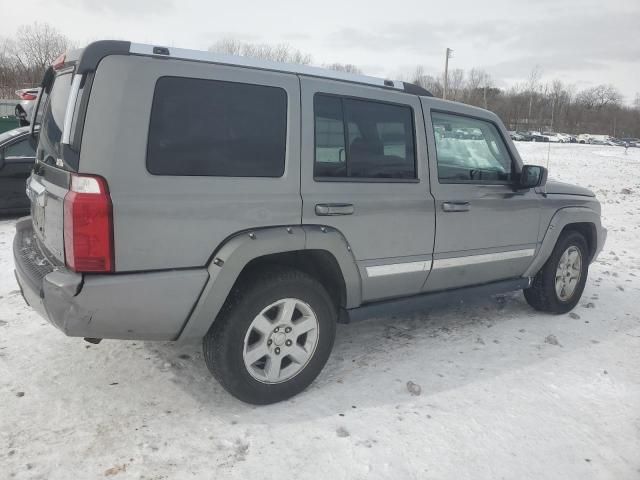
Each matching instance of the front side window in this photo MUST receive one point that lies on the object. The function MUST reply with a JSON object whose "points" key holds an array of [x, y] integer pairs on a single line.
{"points": [[21, 149], [215, 128], [470, 150], [362, 139]]}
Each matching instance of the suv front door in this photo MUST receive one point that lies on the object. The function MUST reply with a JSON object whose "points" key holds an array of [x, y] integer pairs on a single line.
{"points": [[364, 173], [486, 230]]}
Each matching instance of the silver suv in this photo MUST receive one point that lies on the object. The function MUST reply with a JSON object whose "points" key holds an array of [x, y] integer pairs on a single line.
{"points": [[181, 195]]}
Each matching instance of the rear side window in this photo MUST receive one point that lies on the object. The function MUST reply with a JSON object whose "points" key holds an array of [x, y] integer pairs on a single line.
{"points": [[363, 139], [53, 118], [215, 128]]}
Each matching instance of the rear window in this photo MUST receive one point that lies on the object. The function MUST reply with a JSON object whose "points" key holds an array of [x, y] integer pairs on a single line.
{"points": [[214, 128], [53, 118]]}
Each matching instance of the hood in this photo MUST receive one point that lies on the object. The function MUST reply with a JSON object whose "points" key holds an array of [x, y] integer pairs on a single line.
{"points": [[555, 187]]}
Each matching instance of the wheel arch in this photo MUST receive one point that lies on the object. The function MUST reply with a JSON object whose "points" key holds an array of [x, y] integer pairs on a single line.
{"points": [[581, 219], [318, 250]]}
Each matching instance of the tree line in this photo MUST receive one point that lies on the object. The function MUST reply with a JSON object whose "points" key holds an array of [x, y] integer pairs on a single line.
{"points": [[530, 105], [539, 106]]}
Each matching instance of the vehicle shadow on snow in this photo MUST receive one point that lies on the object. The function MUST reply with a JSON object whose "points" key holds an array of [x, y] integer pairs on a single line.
{"points": [[372, 361]]}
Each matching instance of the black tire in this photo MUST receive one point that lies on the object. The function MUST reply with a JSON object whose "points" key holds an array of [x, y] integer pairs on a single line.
{"points": [[224, 343], [542, 293]]}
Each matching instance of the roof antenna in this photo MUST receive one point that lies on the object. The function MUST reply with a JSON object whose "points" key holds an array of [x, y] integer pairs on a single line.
{"points": [[553, 104]]}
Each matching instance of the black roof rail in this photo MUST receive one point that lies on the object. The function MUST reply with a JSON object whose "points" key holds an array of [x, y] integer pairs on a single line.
{"points": [[416, 90]]}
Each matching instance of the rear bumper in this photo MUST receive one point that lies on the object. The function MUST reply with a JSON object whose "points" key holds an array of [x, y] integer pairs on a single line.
{"points": [[136, 306]]}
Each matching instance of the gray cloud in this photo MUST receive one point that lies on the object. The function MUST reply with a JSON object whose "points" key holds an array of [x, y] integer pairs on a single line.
{"points": [[123, 7]]}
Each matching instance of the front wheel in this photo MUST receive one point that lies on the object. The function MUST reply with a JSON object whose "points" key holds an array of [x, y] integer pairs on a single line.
{"points": [[273, 336], [558, 286]]}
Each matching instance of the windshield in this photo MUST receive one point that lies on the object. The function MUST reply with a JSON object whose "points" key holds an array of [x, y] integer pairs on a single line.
{"points": [[53, 119]]}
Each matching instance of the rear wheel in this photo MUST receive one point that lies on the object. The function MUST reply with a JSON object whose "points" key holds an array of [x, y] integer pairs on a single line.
{"points": [[558, 286], [273, 336]]}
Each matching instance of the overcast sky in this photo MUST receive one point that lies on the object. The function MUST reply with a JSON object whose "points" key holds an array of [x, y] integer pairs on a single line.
{"points": [[582, 42]]}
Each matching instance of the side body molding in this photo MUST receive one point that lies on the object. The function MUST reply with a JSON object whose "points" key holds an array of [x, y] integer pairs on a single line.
{"points": [[561, 219], [233, 255]]}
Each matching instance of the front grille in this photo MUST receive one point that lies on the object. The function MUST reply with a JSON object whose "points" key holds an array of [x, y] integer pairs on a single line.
{"points": [[32, 261]]}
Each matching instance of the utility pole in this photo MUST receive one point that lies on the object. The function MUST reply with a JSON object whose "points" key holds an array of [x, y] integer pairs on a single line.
{"points": [[448, 55]]}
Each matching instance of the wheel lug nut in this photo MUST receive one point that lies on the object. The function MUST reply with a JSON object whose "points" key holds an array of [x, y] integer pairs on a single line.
{"points": [[287, 330], [269, 342], [288, 343], [277, 350], [277, 329]]}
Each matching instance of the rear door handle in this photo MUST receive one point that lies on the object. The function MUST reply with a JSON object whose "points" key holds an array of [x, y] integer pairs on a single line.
{"points": [[331, 209], [455, 206]]}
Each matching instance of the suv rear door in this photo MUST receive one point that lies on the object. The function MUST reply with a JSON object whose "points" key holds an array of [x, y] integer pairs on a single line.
{"points": [[486, 230], [364, 173], [50, 180]]}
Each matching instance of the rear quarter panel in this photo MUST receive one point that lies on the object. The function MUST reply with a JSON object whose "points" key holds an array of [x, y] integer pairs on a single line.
{"points": [[171, 221]]}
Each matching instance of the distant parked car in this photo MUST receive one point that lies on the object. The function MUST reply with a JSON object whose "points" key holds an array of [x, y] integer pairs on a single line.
{"points": [[538, 137], [17, 158], [552, 137], [24, 109], [615, 142], [515, 136], [593, 139], [632, 142]]}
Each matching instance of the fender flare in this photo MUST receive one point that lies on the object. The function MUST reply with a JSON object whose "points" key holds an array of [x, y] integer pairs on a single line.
{"points": [[233, 255], [562, 218]]}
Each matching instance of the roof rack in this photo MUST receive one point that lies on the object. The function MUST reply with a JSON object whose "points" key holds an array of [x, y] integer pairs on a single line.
{"points": [[89, 57], [221, 58]]}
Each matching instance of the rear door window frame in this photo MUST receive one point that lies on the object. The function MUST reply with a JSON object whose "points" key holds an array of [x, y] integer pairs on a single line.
{"points": [[283, 165], [348, 179]]}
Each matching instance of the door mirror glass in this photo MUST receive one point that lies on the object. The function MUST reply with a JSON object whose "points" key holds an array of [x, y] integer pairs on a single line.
{"points": [[532, 176]]}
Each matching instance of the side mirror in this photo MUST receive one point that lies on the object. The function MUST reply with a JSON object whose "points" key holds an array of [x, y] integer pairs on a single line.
{"points": [[532, 176]]}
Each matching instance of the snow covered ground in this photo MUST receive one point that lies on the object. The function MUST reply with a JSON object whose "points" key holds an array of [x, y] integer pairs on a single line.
{"points": [[506, 392]]}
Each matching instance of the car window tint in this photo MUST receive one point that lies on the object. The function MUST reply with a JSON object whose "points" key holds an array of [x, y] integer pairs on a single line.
{"points": [[215, 128], [22, 148], [470, 150], [379, 136], [53, 118]]}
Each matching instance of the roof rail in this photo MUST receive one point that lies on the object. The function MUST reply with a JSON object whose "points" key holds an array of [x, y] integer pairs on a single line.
{"points": [[210, 57], [89, 57]]}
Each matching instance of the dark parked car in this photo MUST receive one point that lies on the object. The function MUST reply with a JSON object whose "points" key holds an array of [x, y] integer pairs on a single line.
{"points": [[631, 142], [17, 158]]}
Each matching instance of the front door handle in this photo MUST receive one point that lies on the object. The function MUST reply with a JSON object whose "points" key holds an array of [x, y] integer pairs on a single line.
{"points": [[331, 209], [455, 206]]}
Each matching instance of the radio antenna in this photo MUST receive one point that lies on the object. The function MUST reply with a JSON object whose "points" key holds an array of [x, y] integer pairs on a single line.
{"points": [[553, 105]]}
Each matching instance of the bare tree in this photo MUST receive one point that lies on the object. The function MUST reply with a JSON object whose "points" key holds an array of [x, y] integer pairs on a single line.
{"points": [[278, 53], [600, 96], [429, 82], [344, 67], [37, 46], [455, 84]]}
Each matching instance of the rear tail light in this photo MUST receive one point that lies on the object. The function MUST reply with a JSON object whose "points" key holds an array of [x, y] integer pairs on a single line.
{"points": [[58, 63], [88, 225], [26, 94]]}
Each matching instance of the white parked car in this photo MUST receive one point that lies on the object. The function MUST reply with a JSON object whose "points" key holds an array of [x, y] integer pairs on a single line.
{"points": [[552, 137], [28, 98]]}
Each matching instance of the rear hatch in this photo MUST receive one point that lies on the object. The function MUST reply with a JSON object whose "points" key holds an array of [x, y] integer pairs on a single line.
{"points": [[56, 158]]}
